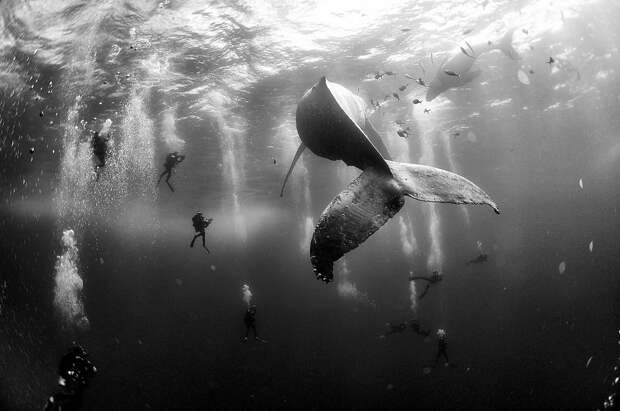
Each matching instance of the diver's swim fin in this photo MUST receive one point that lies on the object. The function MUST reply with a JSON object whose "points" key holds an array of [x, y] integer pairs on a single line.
{"points": [[300, 150]]}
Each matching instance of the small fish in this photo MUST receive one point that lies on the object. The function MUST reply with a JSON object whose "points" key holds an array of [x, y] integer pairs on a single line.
{"points": [[562, 267], [427, 110], [416, 101], [274, 161], [41, 114], [456, 134], [525, 31], [451, 73], [591, 245], [551, 60], [403, 133], [389, 73], [466, 32], [531, 71], [405, 29], [31, 150], [396, 96], [420, 81], [403, 88], [470, 47], [378, 75], [490, 43], [466, 53]]}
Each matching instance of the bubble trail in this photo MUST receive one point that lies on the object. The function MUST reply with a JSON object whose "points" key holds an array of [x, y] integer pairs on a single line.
{"points": [[69, 284], [246, 294]]}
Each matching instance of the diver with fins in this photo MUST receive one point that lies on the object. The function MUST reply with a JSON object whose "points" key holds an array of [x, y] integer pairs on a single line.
{"points": [[482, 258], [200, 225], [74, 374], [99, 144], [249, 319], [172, 160]]}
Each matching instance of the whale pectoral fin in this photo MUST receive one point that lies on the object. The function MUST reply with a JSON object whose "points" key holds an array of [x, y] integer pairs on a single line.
{"points": [[300, 150], [431, 184], [375, 139], [365, 205]]}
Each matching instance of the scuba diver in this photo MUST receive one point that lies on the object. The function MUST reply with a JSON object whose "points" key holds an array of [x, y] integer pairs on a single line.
{"points": [[100, 149], [74, 373], [442, 347], [482, 258], [172, 160], [394, 329], [417, 328], [250, 323], [433, 279], [200, 224]]}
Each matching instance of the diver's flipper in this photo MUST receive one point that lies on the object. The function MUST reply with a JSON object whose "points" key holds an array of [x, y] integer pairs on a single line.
{"points": [[355, 214], [300, 150], [431, 184]]}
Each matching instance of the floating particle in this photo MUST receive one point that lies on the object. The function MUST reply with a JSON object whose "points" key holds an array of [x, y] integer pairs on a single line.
{"points": [[179, 282], [41, 114], [523, 78], [562, 267], [101, 260], [589, 361], [212, 268], [31, 150], [471, 136], [591, 246], [581, 183]]}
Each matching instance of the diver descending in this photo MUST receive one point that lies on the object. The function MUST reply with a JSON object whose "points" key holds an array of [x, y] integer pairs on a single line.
{"points": [[100, 149], [172, 160], [250, 324], [433, 279], [394, 329], [75, 372], [200, 224], [482, 258], [442, 347], [415, 326]]}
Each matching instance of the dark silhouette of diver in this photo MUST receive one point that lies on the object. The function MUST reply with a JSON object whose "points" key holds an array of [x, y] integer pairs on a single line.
{"points": [[394, 328], [75, 372], [433, 279], [100, 150], [482, 258], [172, 160], [250, 323], [417, 328], [442, 347], [200, 224]]}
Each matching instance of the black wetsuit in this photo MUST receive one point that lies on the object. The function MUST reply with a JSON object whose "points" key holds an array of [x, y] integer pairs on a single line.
{"points": [[417, 328], [480, 259], [75, 371], [435, 278], [442, 349], [200, 224], [100, 150], [250, 322], [172, 160], [395, 329]]}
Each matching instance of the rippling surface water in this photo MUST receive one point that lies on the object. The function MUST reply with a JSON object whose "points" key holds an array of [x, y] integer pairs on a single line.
{"points": [[535, 327]]}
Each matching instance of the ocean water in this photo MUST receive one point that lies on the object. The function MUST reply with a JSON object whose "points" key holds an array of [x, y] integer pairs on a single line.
{"points": [[107, 262]]}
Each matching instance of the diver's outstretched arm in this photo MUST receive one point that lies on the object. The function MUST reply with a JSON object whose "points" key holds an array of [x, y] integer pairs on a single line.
{"points": [[425, 291]]}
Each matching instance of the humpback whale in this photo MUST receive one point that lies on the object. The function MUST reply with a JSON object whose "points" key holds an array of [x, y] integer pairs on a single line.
{"points": [[331, 121], [455, 71]]}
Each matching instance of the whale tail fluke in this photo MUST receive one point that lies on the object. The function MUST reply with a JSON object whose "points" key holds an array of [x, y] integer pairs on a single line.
{"points": [[505, 45], [374, 197]]}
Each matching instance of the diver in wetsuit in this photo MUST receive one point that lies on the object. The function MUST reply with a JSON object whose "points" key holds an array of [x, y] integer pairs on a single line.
{"points": [[100, 149], [394, 328], [172, 160], [433, 279], [417, 328], [482, 258], [250, 323], [442, 347], [200, 224], [75, 372]]}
